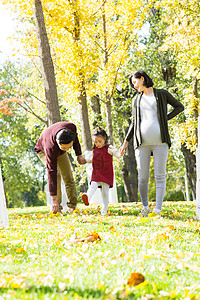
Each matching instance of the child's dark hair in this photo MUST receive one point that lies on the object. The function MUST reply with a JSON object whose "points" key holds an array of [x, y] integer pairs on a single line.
{"points": [[100, 131], [148, 82], [65, 136]]}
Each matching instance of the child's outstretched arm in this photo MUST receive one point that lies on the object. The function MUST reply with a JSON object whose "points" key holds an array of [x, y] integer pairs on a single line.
{"points": [[88, 156], [113, 151]]}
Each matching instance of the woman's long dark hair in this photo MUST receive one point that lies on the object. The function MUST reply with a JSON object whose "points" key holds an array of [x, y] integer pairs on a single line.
{"points": [[148, 82]]}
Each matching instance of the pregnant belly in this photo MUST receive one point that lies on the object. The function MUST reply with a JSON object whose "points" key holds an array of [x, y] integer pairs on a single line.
{"points": [[150, 133]]}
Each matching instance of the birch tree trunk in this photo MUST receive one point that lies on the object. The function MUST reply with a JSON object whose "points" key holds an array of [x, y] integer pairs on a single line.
{"points": [[52, 106], [3, 210], [198, 173], [195, 89]]}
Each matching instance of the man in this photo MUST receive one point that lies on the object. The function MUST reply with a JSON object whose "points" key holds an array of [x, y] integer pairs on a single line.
{"points": [[51, 148]]}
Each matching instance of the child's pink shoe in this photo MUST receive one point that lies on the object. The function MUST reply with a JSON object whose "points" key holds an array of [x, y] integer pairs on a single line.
{"points": [[85, 199]]}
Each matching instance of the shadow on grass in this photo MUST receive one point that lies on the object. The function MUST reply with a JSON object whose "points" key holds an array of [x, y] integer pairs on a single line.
{"points": [[179, 216], [43, 292], [132, 209], [29, 211]]}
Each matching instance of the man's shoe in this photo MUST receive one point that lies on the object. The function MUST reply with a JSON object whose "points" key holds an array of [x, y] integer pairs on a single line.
{"points": [[145, 211], [85, 199]]}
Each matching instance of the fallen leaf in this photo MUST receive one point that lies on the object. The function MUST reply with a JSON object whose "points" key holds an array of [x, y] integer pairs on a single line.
{"points": [[112, 228], [142, 284], [143, 220], [20, 250], [135, 279], [152, 215], [91, 237]]}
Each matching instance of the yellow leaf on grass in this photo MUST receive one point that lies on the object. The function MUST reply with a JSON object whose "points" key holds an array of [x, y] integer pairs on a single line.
{"points": [[147, 256], [17, 283], [77, 297], [143, 220], [20, 250], [122, 254], [152, 215], [141, 285], [171, 227], [173, 294], [193, 296], [112, 228], [101, 285], [154, 287], [186, 292]]}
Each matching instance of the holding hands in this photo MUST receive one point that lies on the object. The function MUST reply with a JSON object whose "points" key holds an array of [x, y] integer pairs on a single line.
{"points": [[123, 147], [81, 160]]}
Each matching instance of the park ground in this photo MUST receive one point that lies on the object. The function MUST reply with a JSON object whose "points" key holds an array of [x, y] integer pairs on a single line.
{"points": [[86, 256]]}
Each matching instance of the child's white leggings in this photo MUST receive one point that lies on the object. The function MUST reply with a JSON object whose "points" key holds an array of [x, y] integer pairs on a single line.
{"points": [[143, 156], [104, 192]]}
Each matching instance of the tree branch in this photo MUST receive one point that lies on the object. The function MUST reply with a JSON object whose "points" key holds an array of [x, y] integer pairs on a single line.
{"points": [[29, 93], [29, 110]]}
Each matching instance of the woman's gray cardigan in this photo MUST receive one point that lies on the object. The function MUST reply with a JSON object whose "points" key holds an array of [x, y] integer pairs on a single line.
{"points": [[163, 98]]}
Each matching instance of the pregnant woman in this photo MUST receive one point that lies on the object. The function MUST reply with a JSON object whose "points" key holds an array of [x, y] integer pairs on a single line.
{"points": [[149, 129]]}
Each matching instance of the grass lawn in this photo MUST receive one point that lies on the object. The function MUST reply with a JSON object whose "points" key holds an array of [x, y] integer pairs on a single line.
{"points": [[130, 257]]}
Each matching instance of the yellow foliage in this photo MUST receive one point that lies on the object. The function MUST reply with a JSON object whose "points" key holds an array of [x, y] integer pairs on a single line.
{"points": [[183, 33], [183, 37], [85, 50]]}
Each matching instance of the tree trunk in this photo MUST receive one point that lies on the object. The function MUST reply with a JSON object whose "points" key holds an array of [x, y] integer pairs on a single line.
{"points": [[187, 191], [52, 106], [82, 97], [3, 211], [83, 109], [190, 158], [197, 115], [53, 112], [109, 121], [129, 174], [190, 161], [108, 97], [96, 108], [195, 92], [169, 73], [198, 172]]}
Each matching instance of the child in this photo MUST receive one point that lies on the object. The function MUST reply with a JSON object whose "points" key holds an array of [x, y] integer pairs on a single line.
{"points": [[102, 173]]}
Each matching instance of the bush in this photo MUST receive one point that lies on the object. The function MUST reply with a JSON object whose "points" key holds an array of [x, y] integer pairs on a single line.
{"points": [[174, 196]]}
